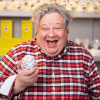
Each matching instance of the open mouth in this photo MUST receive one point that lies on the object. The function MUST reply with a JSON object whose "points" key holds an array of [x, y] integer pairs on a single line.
{"points": [[52, 44], [49, 41]]}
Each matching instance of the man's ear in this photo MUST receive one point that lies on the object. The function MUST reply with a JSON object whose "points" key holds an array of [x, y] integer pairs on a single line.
{"points": [[67, 29]]}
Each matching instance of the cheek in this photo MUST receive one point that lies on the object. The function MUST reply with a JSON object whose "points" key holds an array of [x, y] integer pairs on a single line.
{"points": [[63, 38], [41, 35], [40, 38], [64, 35]]}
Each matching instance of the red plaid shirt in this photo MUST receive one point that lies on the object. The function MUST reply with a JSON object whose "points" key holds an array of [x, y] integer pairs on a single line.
{"points": [[72, 75]]}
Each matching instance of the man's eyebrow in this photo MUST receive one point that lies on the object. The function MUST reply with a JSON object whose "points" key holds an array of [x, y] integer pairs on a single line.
{"points": [[47, 26], [43, 25], [58, 23]]}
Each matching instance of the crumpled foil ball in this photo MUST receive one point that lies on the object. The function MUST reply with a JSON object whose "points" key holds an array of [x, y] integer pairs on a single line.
{"points": [[27, 62]]}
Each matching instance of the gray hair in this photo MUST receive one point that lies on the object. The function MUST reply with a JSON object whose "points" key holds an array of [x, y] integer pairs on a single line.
{"points": [[49, 8]]}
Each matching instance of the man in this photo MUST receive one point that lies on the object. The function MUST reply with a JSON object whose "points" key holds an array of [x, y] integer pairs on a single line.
{"points": [[64, 71]]}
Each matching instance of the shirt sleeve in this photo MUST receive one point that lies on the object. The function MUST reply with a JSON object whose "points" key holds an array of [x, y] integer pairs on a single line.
{"points": [[93, 77], [94, 83], [6, 86], [8, 73]]}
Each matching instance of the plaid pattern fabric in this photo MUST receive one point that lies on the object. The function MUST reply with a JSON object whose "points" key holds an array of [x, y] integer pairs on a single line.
{"points": [[72, 75]]}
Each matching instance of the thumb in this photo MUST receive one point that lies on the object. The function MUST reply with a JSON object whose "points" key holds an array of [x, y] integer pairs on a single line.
{"points": [[19, 65]]}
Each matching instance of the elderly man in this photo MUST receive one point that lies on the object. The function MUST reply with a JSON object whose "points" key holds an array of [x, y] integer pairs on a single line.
{"points": [[64, 71]]}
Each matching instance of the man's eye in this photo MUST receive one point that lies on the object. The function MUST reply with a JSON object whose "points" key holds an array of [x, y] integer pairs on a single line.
{"points": [[44, 28], [57, 28]]}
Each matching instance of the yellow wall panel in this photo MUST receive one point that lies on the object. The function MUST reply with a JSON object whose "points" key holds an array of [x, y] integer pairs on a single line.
{"points": [[7, 43], [26, 27], [6, 28], [6, 40]]}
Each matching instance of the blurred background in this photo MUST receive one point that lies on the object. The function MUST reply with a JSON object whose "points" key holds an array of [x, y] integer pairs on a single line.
{"points": [[16, 27]]}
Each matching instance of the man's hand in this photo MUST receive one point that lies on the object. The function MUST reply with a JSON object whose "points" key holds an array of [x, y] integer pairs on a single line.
{"points": [[25, 78]]}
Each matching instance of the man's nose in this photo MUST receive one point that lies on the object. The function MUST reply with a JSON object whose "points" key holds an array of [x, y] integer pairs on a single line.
{"points": [[51, 33]]}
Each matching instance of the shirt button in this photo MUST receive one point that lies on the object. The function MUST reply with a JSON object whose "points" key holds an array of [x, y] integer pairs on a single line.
{"points": [[51, 60], [59, 56], [53, 88], [53, 75]]}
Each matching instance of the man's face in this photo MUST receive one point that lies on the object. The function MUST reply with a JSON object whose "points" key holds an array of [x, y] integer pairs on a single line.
{"points": [[52, 34]]}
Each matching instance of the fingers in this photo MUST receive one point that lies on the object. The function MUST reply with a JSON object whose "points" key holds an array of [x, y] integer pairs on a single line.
{"points": [[19, 65], [27, 77], [35, 74], [33, 71]]}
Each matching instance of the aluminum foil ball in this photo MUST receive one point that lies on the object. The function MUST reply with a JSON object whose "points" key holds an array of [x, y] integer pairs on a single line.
{"points": [[28, 62]]}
